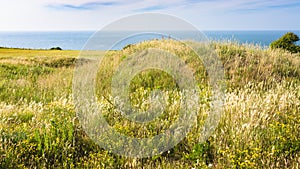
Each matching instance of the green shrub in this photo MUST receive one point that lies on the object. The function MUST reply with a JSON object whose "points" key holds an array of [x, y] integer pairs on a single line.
{"points": [[287, 42], [56, 48], [61, 62]]}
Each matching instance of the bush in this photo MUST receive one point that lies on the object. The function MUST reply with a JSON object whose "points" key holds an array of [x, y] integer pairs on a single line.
{"points": [[287, 42], [56, 48], [61, 62]]}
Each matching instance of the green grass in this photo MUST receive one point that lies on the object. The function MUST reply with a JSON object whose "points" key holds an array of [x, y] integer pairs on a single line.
{"points": [[259, 128]]}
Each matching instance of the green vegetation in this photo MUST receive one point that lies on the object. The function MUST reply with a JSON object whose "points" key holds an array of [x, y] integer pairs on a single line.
{"points": [[287, 42], [259, 128], [56, 48]]}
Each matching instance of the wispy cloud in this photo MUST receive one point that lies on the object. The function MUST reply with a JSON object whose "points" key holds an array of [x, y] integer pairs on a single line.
{"points": [[207, 14], [84, 6], [286, 5], [151, 8], [258, 5], [159, 5]]}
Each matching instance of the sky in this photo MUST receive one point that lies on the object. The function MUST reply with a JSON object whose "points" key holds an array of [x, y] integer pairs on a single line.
{"points": [[77, 15]]}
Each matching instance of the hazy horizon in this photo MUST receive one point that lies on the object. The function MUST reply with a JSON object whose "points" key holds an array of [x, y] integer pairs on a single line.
{"points": [[77, 39], [208, 30]]}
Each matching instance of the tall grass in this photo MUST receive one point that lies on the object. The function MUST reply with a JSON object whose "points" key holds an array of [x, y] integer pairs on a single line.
{"points": [[259, 127]]}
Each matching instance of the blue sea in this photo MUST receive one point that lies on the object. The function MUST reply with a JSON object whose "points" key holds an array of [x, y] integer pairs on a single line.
{"points": [[76, 40]]}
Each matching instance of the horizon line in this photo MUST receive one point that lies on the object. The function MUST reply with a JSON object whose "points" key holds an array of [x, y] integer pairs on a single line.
{"points": [[91, 30]]}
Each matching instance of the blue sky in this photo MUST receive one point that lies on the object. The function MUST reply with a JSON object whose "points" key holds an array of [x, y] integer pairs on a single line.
{"points": [[45, 15]]}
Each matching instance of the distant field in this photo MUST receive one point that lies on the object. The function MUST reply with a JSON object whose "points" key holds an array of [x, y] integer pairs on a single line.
{"points": [[260, 127]]}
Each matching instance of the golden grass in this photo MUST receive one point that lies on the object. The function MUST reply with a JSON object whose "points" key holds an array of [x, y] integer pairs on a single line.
{"points": [[259, 127]]}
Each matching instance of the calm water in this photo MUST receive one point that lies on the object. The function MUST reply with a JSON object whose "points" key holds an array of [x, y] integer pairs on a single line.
{"points": [[77, 40]]}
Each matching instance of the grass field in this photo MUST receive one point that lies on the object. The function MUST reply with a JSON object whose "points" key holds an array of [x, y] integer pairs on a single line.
{"points": [[260, 126]]}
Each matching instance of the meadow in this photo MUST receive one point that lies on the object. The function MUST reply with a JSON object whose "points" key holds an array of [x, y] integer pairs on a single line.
{"points": [[260, 126]]}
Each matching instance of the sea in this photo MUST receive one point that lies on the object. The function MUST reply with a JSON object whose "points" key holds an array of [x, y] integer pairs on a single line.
{"points": [[77, 40]]}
